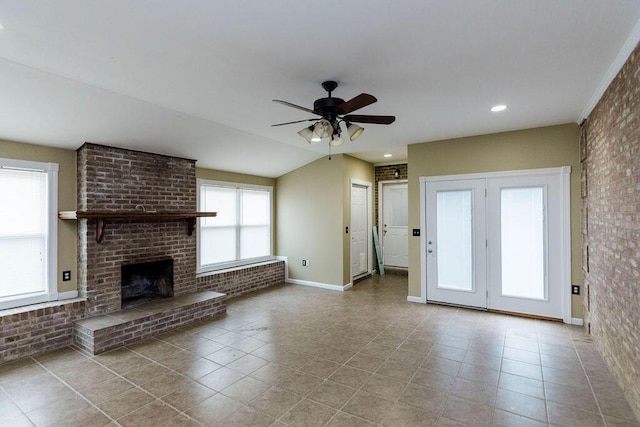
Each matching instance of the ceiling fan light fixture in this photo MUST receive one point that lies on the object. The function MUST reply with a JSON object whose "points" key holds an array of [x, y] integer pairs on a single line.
{"points": [[323, 128], [354, 131], [307, 134], [336, 141]]}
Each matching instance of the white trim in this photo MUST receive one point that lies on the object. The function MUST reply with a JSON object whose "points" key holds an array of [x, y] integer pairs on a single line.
{"points": [[320, 285], [500, 174], [612, 72], [369, 186], [423, 240], [577, 321], [416, 299], [67, 295]]}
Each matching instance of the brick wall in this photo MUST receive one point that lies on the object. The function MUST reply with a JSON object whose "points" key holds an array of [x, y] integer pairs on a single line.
{"points": [[43, 327], [114, 179], [386, 173], [611, 161], [241, 280]]}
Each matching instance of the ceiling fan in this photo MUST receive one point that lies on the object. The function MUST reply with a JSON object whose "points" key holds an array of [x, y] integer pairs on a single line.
{"points": [[333, 111]]}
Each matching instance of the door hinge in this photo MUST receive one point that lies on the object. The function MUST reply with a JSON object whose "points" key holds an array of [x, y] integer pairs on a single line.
{"points": [[486, 243]]}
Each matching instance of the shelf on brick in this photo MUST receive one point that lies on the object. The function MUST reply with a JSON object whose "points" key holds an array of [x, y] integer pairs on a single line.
{"points": [[113, 330], [103, 216]]}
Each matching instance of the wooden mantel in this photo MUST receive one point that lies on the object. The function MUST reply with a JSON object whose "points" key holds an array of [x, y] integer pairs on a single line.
{"points": [[103, 216]]}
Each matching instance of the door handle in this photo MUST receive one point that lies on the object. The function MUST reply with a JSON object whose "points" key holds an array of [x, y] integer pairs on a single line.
{"points": [[430, 250]]}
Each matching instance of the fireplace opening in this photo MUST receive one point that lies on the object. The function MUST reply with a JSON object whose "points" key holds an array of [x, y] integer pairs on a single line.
{"points": [[146, 281]]}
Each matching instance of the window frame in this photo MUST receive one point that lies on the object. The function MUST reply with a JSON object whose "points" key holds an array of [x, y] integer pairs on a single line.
{"points": [[212, 268], [50, 293]]}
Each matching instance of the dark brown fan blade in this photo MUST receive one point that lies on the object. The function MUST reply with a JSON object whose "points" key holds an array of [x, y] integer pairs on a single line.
{"points": [[288, 104], [356, 103], [297, 121], [380, 120]]}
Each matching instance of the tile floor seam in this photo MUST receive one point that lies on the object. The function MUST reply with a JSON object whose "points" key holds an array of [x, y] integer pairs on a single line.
{"points": [[593, 393], [74, 390], [139, 387]]}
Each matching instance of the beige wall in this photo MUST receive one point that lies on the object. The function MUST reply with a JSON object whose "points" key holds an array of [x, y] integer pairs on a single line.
{"points": [[239, 178], [363, 171], [552, 146], [309, 220], [314, 207], [67, 230]]}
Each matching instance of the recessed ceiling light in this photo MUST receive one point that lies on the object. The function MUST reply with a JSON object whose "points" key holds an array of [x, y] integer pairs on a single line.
{"points": [[497, 108], [388, 155]]}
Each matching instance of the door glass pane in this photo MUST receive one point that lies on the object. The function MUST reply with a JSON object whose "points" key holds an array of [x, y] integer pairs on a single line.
{"points": [[399, 206], [522, 242], [454, 240]]}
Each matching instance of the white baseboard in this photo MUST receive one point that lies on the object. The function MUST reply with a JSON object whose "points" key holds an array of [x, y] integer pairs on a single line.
{"points": [[67, 295], [347, 286], [576, 321], [416, 299], [320, 285]]}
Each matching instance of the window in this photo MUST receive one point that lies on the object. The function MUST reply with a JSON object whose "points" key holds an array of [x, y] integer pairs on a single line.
{"points": [[241, 232], [28, 221]]}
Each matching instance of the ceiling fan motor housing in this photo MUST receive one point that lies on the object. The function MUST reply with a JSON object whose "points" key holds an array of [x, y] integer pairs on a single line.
{"points": [[327, 106]]}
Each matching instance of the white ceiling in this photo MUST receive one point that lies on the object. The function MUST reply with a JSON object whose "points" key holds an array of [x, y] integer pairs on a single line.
{"points": [[196, 78]]}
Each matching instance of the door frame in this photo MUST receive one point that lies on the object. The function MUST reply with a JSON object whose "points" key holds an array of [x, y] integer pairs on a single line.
{"points": [[369, 186], [381, 185], [565, 226]]}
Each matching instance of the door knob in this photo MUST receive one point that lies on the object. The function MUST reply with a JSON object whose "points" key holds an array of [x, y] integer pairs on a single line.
{"points": [[430, 251]]}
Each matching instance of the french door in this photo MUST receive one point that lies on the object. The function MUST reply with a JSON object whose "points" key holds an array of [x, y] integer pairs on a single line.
{"points": [[499, 241], [456, 242]]}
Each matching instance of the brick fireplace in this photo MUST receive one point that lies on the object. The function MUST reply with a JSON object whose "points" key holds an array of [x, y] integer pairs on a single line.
{"points": [[118, 180], [113, 179]]}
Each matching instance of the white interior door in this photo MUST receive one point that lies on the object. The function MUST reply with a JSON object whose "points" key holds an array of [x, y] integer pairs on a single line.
{"points": [[526, 244], [456, 242], [359, 230], [395, 221]]}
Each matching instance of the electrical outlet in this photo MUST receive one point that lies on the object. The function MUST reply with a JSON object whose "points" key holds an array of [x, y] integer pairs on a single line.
{"points": [[575, 289], [66, 275]]}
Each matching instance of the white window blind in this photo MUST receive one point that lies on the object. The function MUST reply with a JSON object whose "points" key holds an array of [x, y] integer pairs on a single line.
{"points": [[241, 232], [27, 263]]}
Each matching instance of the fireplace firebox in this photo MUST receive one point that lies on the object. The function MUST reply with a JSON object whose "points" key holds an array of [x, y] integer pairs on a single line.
{"points": [[146, 281]]}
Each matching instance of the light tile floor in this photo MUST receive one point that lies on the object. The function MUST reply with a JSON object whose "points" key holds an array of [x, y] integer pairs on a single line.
{"points": [[293, 355]]}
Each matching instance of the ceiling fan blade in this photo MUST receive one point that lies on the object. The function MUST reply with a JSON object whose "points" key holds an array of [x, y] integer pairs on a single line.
{"points": [[380, 120], [356, 103], [297, 121], [288, 104]]}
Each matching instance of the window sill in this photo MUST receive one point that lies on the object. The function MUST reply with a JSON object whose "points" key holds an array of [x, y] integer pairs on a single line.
{"points": [[237, 268], [38, 306]]}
